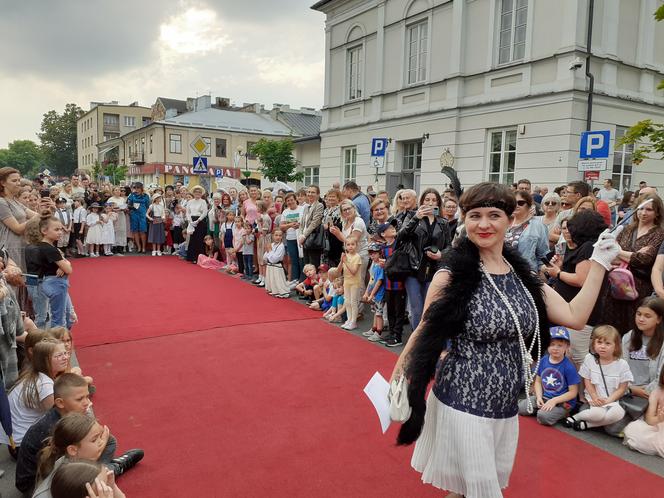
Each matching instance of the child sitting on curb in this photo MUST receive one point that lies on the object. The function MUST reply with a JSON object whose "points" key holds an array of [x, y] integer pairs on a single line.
{"points": [[557, 382]]}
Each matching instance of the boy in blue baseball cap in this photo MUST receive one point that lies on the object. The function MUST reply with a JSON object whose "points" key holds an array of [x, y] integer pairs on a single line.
{"points": [[557, 382]]}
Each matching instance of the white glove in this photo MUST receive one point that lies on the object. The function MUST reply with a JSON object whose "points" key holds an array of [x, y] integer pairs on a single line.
{"points": [[606, 248]]}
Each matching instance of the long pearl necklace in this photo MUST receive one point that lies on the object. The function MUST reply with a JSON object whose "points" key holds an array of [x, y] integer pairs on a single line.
{"points": [[526, 352]]}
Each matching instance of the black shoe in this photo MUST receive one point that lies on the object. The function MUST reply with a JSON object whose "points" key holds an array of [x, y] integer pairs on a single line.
{"points": [[569, 422], [393, 342], [126, 461]]}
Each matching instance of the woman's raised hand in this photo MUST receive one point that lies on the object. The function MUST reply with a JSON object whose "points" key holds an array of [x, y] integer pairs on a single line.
{"points": [[607, 248]]}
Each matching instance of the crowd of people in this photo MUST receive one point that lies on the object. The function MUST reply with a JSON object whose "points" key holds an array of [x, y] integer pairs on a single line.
{"points": [[45, 409], [353, 254]]}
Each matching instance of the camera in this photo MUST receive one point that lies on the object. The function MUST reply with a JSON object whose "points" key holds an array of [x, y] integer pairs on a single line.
{"points": [[575, 64]]}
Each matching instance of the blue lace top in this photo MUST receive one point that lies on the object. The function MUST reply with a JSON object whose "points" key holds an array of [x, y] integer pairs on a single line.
{"points": [[482, 373]]}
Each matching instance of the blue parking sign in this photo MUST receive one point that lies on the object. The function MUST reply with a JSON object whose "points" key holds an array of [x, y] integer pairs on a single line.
{"points": [[595, 144], [378, 147]]}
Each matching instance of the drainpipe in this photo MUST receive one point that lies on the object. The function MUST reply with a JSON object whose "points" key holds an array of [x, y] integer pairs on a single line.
{"points": [[589, 75]]}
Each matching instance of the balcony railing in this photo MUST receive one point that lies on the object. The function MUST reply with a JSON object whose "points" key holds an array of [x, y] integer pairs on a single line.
{"points": [[137, 157]]}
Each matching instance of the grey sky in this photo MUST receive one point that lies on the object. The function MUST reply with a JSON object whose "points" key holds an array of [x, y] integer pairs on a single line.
{"points": [[55, 52]]}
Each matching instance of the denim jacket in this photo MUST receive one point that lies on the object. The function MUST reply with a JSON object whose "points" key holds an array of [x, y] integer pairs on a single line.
{"points": [[534, 243]]}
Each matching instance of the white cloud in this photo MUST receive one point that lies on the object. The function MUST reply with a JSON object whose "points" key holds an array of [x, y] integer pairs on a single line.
{"points": [[197, 31]]}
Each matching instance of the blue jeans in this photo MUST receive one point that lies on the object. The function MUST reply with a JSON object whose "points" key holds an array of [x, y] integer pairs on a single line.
{"points": [[248, 265], [417, 292], [56, 290], [39, 305], [295, 261]]}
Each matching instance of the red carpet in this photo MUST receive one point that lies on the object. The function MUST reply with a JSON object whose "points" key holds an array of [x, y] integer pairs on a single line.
{"points": [[272, 409], [137, 297]]}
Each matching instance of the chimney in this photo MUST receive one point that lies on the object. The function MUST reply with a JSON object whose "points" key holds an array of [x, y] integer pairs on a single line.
{"points": [[191, 104], [203, 102], [222, 102], [170, 113]]}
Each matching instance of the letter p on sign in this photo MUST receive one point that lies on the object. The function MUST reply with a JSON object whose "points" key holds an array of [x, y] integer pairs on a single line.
{"points": [[595, 144]]}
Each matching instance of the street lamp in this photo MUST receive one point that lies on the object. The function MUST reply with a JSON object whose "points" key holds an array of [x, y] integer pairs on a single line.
{"points": [[241, 153]]}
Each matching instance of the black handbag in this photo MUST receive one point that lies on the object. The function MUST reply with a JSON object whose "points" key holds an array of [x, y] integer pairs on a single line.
{"points": [[399, 266], [634, 406], [316, 239]]}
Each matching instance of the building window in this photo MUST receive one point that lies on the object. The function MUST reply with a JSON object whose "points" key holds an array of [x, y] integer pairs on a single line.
{"points": [[502, 156], [146, 121], [417, 52], [111, 120], [512, 36], [249, 153], [622, 163], [142, 145], [175, 143], [130, 121], [412, 155], [208, 150], [150, 143], [220, 147], [311, 175], [355, 73], [350, 163]]}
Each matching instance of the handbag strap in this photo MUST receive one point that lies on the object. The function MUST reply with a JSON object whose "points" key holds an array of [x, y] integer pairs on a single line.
{"points": [[599, 363]]}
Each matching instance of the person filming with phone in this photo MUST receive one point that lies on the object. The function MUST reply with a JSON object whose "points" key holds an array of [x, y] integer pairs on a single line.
{"points": [[527, 233], [428, 234]]}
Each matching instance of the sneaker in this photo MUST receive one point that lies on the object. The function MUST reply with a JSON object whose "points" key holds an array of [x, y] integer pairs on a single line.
{"points": [[257, 281], [393, 342], [119, 254], [369, 333], [375, 337], [158, 253], [262, 284], [351, 326], [345, 324], [154, 253], [292, 284]]}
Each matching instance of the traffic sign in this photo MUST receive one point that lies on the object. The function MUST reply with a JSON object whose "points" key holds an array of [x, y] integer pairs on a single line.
{"points": [[200, 165], [378, 152], [595, 144], [378, 147], [218, 172], [200, 146], [591, 165], [590, 175]]}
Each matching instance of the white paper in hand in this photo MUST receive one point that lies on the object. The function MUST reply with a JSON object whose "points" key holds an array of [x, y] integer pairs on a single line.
{"points": [[377, 391]]}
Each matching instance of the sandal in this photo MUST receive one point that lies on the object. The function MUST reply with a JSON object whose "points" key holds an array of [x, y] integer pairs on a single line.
{"points": [[580, 425]]}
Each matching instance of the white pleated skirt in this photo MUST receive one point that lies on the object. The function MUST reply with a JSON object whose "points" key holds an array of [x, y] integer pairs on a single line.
{"points": [[464, 453]]}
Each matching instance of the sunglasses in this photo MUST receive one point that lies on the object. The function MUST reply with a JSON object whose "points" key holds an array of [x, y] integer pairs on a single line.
{"points": [[521, 203], [565, 204], [550, 203]]}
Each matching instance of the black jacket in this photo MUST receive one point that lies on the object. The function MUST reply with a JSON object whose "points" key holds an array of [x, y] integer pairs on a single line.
{"points": [[445, 319], [33, 441], [424, 235]]}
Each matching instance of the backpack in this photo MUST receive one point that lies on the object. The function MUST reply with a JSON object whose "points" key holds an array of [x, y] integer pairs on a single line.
{"points": [[400, 265], [622, 285]]}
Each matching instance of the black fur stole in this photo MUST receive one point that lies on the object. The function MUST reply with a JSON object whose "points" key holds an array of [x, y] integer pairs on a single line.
{"points": [[444, 319]]}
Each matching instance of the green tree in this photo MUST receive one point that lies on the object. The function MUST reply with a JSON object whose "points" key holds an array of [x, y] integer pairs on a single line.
{"points": [[647, 136], [58, 139], [277, 161], [115, 172], [24, 155]]}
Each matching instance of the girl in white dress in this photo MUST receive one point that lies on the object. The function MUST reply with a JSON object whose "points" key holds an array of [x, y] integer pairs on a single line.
{"points": [[108, 229], [94, 225]]}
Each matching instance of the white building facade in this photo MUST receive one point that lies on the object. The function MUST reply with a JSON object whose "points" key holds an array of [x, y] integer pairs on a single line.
{"points": [[499, 85]]}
